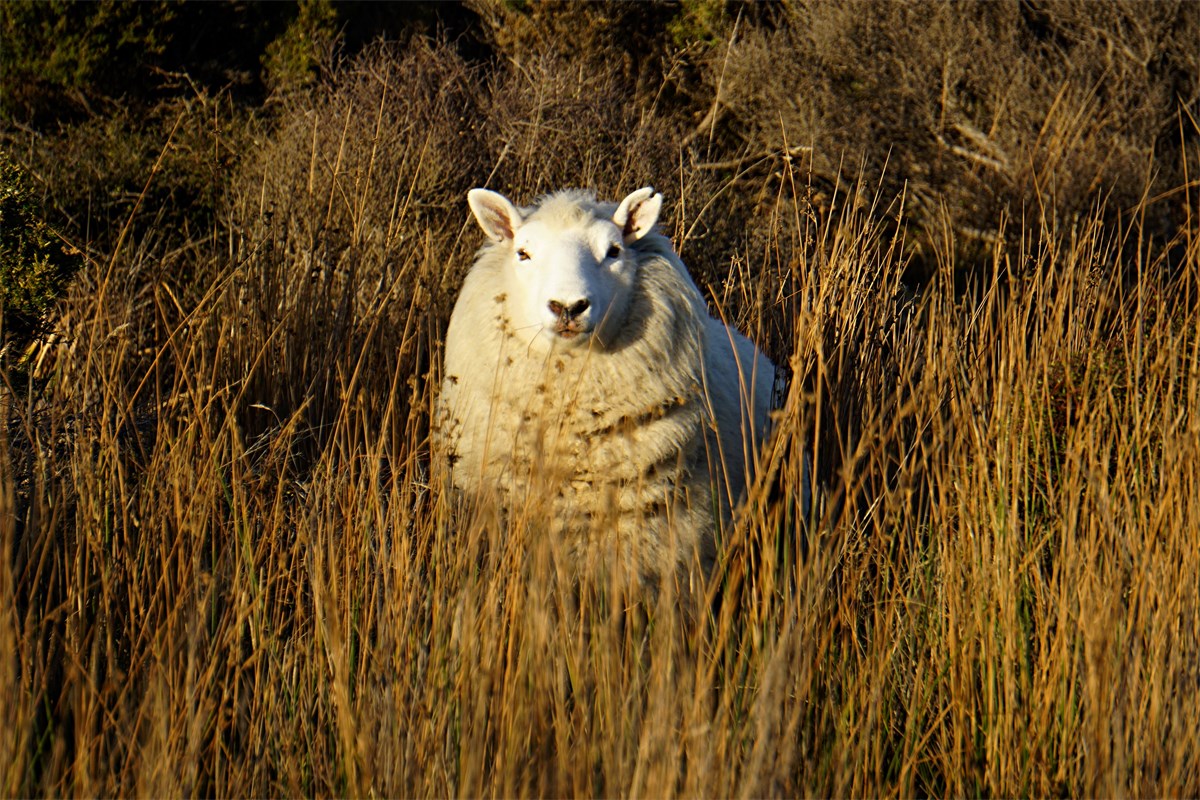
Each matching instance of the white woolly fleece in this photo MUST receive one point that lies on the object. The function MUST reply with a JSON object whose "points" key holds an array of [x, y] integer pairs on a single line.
{"points": [[621, 440]]}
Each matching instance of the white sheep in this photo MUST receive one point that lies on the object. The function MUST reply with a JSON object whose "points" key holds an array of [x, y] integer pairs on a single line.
{"points": [[585, 379]]}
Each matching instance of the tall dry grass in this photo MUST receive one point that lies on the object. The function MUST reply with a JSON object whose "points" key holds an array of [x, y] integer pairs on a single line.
{"points": [[231, 566]]}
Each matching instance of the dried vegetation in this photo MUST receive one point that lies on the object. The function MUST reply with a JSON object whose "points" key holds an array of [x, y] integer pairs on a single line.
{"points": [[229, 566]]}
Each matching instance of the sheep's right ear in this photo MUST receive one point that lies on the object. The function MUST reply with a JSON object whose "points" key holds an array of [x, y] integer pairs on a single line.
{"points": [[498, 217]]}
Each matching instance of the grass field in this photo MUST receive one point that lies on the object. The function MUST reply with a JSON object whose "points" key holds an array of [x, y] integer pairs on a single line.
{"points": [[230, 565]]}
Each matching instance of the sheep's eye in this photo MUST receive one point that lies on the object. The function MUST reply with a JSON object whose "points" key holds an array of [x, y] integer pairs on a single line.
{"points": [[614, 251], [522, 254]]}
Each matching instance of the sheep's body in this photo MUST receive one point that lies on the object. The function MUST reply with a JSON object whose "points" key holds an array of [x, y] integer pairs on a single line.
{"points": [[639, 438]]}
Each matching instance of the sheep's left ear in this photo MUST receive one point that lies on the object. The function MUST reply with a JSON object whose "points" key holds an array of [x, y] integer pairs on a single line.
{"points": [[637, 213], [495, 214]]}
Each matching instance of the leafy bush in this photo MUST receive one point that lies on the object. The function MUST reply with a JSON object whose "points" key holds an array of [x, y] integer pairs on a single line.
{"points": [[291, 61], [35, 262], [59, 55]]}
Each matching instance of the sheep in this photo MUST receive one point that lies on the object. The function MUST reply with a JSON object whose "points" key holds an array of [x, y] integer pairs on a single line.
{"points": [[582, 367]]}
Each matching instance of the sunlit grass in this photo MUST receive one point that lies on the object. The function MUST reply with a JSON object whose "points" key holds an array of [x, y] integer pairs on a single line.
{"points": [[231, 564]]}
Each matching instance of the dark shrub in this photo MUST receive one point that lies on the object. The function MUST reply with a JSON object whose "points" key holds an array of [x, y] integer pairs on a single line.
{"points": [[35, 262]]}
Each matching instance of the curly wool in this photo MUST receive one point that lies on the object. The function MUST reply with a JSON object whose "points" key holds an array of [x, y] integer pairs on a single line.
{"points": [[633, 438]]}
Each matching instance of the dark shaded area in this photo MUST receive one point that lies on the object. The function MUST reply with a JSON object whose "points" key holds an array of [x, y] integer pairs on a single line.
{"points": [[65, 61]]}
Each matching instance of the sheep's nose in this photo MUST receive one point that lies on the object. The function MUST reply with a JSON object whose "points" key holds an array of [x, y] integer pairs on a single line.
{"points": [[570, 312]]}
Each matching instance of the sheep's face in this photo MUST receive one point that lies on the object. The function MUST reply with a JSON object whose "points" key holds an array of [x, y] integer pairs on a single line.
{"points": [[570, 271], [569, 284]]}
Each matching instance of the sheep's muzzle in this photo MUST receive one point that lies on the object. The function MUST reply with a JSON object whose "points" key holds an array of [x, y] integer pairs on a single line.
{"points": [[567, 323]]}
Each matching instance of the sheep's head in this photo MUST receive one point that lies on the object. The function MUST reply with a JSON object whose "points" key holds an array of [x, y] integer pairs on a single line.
{"points": [[570, 267]]}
